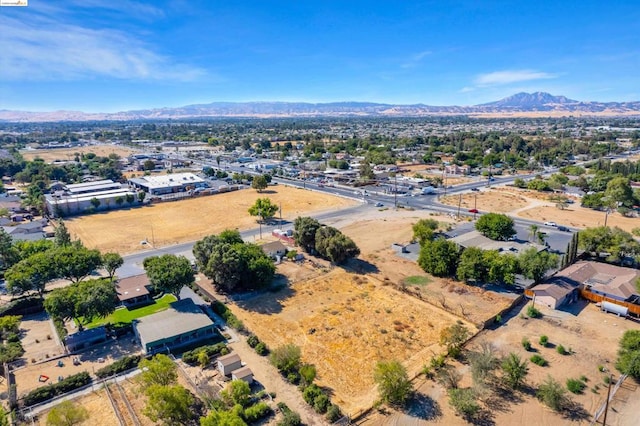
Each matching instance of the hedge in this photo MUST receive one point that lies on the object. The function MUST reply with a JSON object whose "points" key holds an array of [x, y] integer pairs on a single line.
{"points": [[232, 321], [47, 392], [256, 412], [191, 357], [123, 364]]}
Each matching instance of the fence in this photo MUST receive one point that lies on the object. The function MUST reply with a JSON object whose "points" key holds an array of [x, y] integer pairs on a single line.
{"points": [[593, 297], [600, 410]]}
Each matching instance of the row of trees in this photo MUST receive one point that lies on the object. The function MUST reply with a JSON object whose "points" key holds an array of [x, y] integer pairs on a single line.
{"points": [[326, 241], [443, 258], [232, 264], [616, 243], [82, 301]]}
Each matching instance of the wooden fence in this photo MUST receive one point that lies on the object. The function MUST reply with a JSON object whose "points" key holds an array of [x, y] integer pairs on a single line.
{"points": [[597, 298]]}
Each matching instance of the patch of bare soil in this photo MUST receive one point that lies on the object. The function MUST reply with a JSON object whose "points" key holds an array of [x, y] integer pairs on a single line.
{"points": [[99, 408], [68, 154]]}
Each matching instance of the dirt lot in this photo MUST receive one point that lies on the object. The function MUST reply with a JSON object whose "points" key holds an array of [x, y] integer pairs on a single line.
{"points": [[593, 339], [67, 154], [39, 338], [488, 201], [99, 407], [191, 219], [578, 217], [324, 317]]}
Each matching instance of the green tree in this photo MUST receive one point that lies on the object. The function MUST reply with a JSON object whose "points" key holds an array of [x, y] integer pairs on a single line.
{"points": [[67, 414], [515, 370], [130, 198], [32, 273], [424, 229], [159, 370], [141, 196], [94, 299], [222, 418], [61, 303], [9, 254], [393, 382], [61, 236], [552, 394], [533, 231], [472, 265], [264, 208], [304, 233], [111, 262], [286, 358], [74, 262], [169, 272], [453, 337], [308, 374], [259, 183], [439, 257], [496, 226], [366, 172], [534, 264], [629, 354], [483, 364], [237, 392], [169, 405], [95, 202], [619, 192], [203, 248], [119, 201], [149, 165], [334, 245]]}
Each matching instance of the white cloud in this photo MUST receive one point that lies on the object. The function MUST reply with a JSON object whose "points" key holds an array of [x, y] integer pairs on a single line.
{"points": [[466, 89], [415, 59], [510, 76], [43, 48]]}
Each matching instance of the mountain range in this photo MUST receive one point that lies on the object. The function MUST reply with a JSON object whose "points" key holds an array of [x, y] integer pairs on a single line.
{"points": [[521, 104]]}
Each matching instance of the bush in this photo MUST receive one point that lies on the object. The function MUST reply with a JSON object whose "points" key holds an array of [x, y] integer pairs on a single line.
{"points": [[123, 364], [463, 402], [191, 357], [290, 418], [261, 349], [310, 393], [526, 344], [321, 403], [293, 378], [286, 358], [538, 360], [256, 412], [252, 341], [533, 312], [47, 392], [561, 350], [575, 386], [333, 413], [232, 321], [544, 340]]}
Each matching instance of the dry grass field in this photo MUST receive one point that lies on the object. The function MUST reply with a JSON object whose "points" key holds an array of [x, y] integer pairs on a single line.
{"points": [[578, 217], [487, 201], [67, 154], [191, 219], [325, 317], [100, 410]]}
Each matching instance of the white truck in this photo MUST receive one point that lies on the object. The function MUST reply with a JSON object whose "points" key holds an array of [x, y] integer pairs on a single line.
{"points": [[428, 190]]}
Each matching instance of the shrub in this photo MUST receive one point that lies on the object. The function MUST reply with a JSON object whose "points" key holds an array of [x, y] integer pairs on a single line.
{"points": [[575, 386], [261, 349], [544, 340], [290, 418], [191, 357], [584, 378], [526, 344], [333, 413], [47, 392], [252, 341], [538, 360], [321, 403], [607, 379], [123, 364], [232, 321], [601, 368], [293, 378], [463, 402], [256, 412], [561, 350], [533, 312], [552, 394], [286, 358]]}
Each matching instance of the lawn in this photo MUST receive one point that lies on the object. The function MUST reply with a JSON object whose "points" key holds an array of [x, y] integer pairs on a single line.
{"points": [[124, 315], [417, 280]]}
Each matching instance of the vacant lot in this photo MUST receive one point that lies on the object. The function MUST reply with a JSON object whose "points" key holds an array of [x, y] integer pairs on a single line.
{"points": [[578, 217], [68, 154], [191, 219], [487, 201], [324, 316], [98, 406]]}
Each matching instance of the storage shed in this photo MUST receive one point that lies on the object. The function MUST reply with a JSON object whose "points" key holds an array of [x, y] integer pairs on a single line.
{"points": [[85, 338], [243, 373], [228, 363]]}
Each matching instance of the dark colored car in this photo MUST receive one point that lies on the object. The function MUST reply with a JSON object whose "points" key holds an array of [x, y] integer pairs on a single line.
{"points": [[563, 228]]}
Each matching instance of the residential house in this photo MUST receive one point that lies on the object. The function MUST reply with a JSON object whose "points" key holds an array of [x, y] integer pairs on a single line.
{"points": [[134, 291], [274, 249]]}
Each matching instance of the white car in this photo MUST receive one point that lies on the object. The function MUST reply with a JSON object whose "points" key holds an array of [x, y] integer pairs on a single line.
{"points": [[550, 224]]}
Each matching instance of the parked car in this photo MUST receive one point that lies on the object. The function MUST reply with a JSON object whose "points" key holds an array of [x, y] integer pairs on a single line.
{"points": [[475, 211], [550, 224], [563, 228], [379, 205], [475, 189]]}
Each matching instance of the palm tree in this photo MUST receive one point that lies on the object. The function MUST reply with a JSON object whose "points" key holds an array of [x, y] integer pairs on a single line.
{"points": [[533, 231]]}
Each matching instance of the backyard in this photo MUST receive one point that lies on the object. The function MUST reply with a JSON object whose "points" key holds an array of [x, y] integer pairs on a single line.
{"points": [[124, 315]]}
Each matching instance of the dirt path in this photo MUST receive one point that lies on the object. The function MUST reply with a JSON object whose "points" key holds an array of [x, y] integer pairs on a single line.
{"points": [[269, 377]]}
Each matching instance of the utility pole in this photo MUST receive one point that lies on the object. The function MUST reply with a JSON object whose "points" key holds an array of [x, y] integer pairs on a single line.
{"points": [[475, 205], [395, 190], [280, 213], [459, 203], [606, 406]]}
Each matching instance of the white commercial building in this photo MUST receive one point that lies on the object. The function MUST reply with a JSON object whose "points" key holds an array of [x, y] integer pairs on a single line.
{"points": [[168, 184]]}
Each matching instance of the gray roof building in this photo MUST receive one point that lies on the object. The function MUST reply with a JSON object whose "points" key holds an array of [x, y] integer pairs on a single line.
{"points": [[182, 324]]}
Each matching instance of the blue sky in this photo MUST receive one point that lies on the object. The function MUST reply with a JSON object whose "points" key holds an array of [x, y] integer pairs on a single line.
{"points": [[94, 55]]}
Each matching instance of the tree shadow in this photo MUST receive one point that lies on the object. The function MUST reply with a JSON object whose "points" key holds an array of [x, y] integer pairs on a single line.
{"points": [[575, 412], [360, 266], [266, 302], [423, 407]]}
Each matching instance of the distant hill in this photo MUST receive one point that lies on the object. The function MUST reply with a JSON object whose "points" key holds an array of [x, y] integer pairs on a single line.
{"points": [[538, 103]]}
